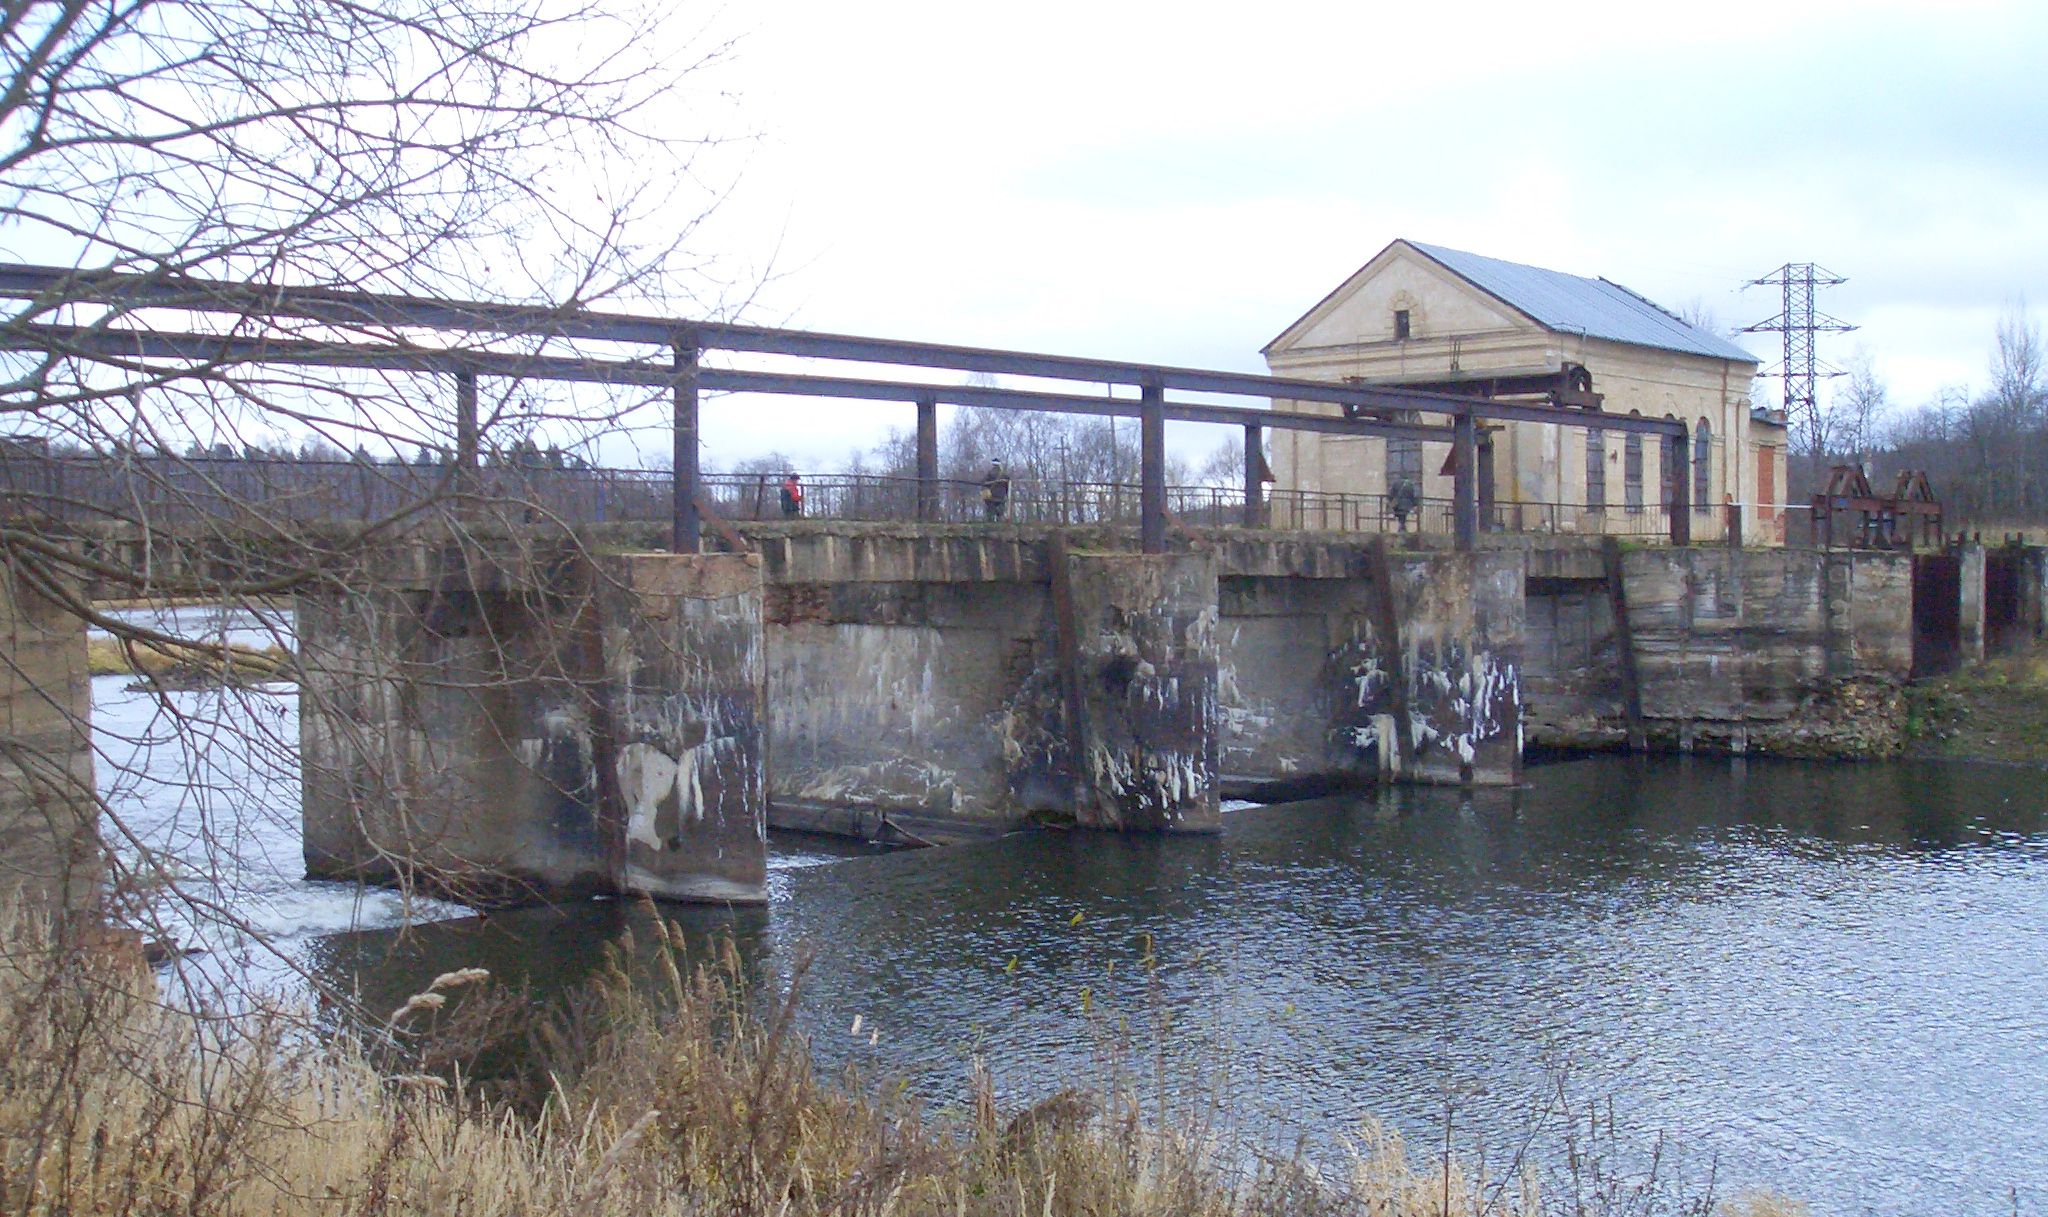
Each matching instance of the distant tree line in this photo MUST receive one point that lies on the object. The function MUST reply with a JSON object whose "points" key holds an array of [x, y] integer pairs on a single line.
{"points": [[1984, 452], [1987, 453], [521, 454]]}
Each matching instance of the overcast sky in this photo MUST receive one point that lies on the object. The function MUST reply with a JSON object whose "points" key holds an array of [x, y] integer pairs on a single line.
{"points": [[1176, 183]]}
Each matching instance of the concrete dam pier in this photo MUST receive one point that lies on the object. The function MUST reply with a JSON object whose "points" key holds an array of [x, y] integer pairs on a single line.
{"points": [[531, 721], [537, 717]]}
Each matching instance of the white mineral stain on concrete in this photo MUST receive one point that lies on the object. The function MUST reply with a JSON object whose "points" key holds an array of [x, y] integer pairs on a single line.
{"points": [[646, 773]]}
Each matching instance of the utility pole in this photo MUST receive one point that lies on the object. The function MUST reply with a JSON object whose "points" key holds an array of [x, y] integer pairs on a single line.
{"points": [[1799, 321]]}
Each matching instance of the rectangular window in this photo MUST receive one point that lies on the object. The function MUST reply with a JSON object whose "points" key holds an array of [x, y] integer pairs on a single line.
{"points": [[1596, 470], [1400, 324]]}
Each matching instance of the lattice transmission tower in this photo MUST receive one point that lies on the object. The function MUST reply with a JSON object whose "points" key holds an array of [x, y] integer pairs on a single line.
{"points": [[1799, 322]]}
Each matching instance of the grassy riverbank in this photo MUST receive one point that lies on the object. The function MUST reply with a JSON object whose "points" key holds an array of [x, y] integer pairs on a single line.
{"points": [[195, 662], [680, 1095], [1996, 711]]}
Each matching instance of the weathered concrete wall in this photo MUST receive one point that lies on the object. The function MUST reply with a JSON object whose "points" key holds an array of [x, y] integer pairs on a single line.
{"points": [[49, 842], [1571, 664], [1460, 618], [1141, 689], [508, 730], [930, 701], [933, 684], [2032, 625], [1775, 650], [1393, 664], [680, 717], [954, 708], [445, 737], [1283, 678]]}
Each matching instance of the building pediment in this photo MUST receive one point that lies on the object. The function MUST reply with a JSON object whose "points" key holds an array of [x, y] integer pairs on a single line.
{"points": [[1410, 291], [1399, 279]]}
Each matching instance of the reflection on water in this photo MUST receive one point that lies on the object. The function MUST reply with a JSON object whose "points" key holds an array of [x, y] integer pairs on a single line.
{"points": [[1829, 978]]}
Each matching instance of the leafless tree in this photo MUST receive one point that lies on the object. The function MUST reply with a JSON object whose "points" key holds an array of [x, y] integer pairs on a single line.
{"points": [[524, 151], [1985, 453], [1856, 412]]}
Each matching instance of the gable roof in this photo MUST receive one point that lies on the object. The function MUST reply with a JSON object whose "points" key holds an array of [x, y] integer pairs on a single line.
{"points": [[1569, 304]]}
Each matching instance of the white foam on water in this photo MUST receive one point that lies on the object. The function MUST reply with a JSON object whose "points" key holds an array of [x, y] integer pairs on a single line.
{"points": [[202, 794]]}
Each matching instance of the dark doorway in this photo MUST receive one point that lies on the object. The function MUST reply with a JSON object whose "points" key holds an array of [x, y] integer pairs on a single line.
{"points": [[1937, 613], [2004, 620]]}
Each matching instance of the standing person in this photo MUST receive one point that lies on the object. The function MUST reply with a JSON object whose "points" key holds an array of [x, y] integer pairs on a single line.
{"points": [[1405, 499], [792, 495], [995, 491]]}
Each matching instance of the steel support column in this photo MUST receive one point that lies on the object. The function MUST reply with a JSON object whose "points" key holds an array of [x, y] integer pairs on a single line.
{"points": [[466, 438], [1465, 482], [1254, 477], [1152, 469], [928, 458], [685, 528], [1676, 474]]}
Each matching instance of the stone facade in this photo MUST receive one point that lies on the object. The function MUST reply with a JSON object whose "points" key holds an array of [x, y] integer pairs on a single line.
{"points": [[1455, 330]]}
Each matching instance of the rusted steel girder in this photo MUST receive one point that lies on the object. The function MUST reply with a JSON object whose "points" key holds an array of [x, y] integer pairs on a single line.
{"points": [[58, 285]]}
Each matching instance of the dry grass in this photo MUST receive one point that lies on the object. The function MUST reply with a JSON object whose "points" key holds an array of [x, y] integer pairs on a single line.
{"points": [[191, 662], [1996, 710], [680, 1096]]}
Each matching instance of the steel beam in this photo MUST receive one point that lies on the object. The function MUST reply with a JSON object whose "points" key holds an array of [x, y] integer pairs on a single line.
{"points": [[1058, 403], [927, 458], [216, 350], [1254, 476], [1152, 470], [358, 309], [467, 432], [685, 528], [1465, 484], [1679, 504]]}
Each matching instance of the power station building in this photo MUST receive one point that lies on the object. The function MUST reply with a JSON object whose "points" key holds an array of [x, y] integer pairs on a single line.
{"points": [[1425, 317]]}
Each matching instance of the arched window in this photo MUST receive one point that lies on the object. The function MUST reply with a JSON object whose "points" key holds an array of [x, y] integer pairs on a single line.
{"points": [[1596, 469], [1632, 471], [1702, 466]]}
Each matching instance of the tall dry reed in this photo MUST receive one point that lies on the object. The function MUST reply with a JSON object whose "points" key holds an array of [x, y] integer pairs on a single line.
{"points": [[684, 1095]]}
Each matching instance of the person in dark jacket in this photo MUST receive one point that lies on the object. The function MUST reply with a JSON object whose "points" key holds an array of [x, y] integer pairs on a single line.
{"points": [[995, 491]]}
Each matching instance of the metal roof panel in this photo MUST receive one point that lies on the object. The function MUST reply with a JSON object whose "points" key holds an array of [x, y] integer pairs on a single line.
{"points": [[1594, 307]]}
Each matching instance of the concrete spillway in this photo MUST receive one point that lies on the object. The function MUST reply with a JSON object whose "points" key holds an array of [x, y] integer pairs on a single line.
{"points": [[531, 716]]}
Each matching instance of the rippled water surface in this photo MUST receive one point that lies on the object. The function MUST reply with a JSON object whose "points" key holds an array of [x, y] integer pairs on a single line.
{"points": [[1829, 979]]}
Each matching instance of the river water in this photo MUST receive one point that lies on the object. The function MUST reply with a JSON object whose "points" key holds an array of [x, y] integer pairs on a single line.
{"points": [[1828, 979]]}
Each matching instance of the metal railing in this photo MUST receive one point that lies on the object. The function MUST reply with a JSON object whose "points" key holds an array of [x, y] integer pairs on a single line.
{"points": [[169, 491]]}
